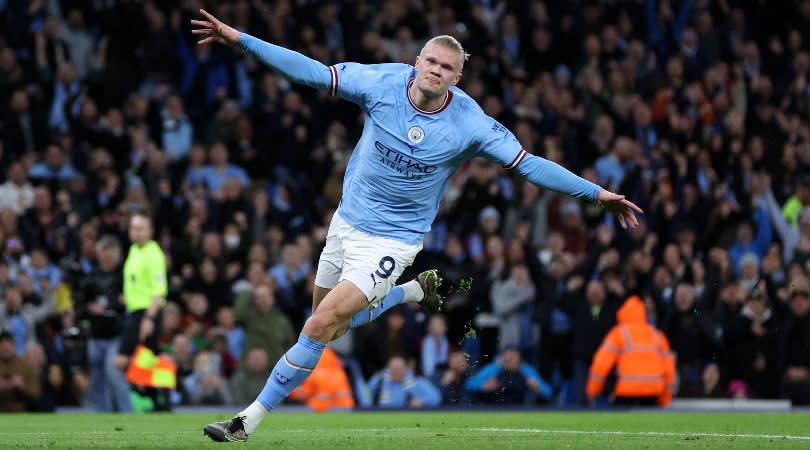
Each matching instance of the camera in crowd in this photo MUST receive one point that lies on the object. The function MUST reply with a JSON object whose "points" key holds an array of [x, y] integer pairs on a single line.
{"points": [[74, 346]]}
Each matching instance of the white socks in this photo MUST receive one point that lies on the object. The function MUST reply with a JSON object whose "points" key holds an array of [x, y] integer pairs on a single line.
{"points": [[254, 413], [413, 292]]}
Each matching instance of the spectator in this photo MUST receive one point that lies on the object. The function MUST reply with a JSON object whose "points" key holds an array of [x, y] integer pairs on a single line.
{"points": [[169, 324], [572, 227], [5, 277], [795, 345], [508, 381], [79, 42], [593, 313], [25, 131], [177, 129], [182, 353], [512, 300], [16, 194], [54, 168], [435, 347], [710, 386], [29, 294], [694, 337], [611, 168], [255, 275], [480, 190], [383, 340], [289, 275], [218, 170], [451, 380], [197, 319], [489, 220], [35, 355], [204, 77], [206, 385], [265, 326], [749, 270], [20, 318], [251, 377], [748, 242], [753, 340], [556, 356], [795, 239], [218, 343], [18, 381], [97, 300], [46, 276], [234, 334], [396, 386]]}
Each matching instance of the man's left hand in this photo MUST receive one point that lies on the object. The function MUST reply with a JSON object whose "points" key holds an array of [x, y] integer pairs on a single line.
{"points": [[623, 209]]}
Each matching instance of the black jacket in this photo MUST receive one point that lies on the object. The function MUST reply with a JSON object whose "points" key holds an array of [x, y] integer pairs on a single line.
{"points": [[105, 288], [745, 349]]}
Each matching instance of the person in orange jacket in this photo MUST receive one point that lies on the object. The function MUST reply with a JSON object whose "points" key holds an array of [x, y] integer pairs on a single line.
{"points": [[645, 367], [327, 387]]}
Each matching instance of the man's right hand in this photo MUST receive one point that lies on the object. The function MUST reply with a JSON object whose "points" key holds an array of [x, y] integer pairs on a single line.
{"points": [[214, 31]]}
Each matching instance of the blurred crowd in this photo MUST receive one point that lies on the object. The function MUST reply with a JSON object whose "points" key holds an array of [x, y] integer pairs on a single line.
{"points": [[697, 110]]}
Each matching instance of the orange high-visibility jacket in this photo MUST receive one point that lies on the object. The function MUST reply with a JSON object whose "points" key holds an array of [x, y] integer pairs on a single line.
{"points": [[644, 364], [327, 386]]}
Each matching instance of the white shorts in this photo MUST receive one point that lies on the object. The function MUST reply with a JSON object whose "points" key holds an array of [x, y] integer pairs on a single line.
{"points": [[372, 263]]}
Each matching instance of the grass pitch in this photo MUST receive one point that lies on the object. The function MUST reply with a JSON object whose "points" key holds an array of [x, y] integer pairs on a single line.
{"points": [[419, 430]]}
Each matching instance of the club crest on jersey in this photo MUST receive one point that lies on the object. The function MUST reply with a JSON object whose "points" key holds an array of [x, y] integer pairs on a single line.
{"points": [[416, 134]]}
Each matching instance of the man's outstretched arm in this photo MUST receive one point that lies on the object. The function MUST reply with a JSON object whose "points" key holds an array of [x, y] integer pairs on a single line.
{"points": [[296, 67], [494, 141], [551, 175]]}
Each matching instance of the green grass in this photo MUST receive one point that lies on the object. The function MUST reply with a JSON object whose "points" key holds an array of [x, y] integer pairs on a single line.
{"points": [[419, 430]]}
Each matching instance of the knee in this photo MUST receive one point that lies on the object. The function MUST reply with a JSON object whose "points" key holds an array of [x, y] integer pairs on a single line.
{"points": [[321, 326]]}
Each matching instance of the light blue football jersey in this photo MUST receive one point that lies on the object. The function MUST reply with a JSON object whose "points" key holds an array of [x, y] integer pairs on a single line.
{"points": [[399, 169]]}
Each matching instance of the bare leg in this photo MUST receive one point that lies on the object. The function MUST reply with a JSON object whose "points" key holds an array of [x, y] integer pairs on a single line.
{"points": [[318, 294], [334, 311]]}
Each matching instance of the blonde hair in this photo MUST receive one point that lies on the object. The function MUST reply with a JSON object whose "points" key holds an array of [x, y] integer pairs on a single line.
{"points": [[447, 41]]}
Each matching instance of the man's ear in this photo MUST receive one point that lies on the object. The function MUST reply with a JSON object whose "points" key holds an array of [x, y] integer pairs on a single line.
{"points": [[458, 78], [416, 63]]}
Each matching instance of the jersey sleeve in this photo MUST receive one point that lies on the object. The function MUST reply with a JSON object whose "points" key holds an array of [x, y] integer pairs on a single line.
{"points": [[157, 264], [293, 65], [494, 141], [497, 143], [354, 82]]}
